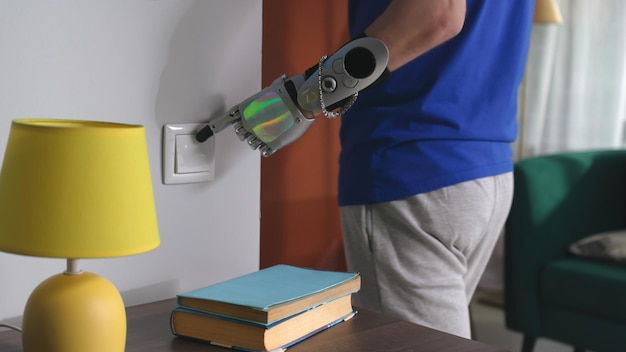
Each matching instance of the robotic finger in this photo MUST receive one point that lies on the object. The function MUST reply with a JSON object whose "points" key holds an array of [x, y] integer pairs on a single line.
{"points": [[282, 112]]}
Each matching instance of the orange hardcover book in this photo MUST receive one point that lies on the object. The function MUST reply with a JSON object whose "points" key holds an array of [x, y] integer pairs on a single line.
{"points": [[253, 336]]}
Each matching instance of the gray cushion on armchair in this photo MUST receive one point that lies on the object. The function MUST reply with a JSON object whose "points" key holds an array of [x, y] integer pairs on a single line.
{"points": [[609, 246]]}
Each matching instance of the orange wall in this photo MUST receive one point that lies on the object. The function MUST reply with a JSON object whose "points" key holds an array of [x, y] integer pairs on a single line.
{"points": [[299, 213]]}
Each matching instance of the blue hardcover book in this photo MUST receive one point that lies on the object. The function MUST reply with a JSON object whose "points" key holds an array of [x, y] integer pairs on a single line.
{"points": [[271, 294], [254, 336]]}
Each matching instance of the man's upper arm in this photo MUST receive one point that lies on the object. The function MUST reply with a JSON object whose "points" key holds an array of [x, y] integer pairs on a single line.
{"points": [[410, 28]]}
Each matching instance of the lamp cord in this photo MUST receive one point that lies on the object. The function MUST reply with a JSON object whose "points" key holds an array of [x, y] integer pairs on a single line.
{"points": [[72, 268], [16, 328]]}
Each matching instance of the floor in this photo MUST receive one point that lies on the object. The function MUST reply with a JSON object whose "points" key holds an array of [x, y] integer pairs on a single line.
{"points": [[489, 328]]}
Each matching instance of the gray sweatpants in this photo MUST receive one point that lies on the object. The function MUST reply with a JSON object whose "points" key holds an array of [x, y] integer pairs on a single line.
{"points": [[421, 258]]}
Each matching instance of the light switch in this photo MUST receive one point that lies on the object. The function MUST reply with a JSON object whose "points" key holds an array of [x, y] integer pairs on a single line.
{"points": [[185, 160], [191, 156]]}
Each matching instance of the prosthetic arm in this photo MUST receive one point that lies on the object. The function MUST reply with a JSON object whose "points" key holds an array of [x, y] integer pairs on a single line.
{"points": [[281, 113]]}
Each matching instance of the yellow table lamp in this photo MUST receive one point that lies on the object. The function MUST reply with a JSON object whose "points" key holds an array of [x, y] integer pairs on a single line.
{"points": [[76, 189]]}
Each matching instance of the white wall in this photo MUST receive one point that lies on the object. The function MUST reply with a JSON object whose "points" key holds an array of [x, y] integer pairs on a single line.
{"points": [[146, 62]]}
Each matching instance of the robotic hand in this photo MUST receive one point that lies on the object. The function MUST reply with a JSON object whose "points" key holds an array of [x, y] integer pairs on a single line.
{"points": [[281, 113]]}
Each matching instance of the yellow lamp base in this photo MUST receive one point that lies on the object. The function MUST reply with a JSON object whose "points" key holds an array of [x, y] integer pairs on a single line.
{"points": [[74, 313]]}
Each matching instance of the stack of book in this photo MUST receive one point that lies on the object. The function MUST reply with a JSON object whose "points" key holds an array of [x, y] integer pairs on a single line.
{"points": [[267, 310]]}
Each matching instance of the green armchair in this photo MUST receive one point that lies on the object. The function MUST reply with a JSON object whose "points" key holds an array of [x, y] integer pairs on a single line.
{"points": [[550, 293]]}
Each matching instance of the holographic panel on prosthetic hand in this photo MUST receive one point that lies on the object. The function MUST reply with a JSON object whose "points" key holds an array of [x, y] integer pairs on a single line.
{"points": [[268, 117]]}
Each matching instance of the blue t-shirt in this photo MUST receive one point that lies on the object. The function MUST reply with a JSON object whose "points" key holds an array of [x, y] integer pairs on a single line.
{"points": [[448, 116]]}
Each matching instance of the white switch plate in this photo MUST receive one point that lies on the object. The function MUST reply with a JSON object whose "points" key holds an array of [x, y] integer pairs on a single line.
{"points": [[186, 160]]}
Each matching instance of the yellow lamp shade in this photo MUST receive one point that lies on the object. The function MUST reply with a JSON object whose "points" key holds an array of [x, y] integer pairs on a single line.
{"points": [[547, 11], [76, 189]]}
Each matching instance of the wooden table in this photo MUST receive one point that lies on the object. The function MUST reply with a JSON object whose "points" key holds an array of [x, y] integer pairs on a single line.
{"points": [[148, 330]]}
